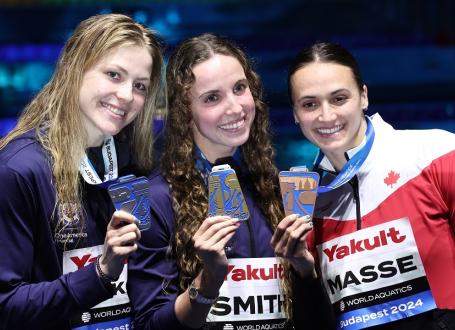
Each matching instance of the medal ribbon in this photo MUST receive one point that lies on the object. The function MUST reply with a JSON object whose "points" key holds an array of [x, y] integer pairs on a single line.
{"points": [[205, 167], [110, 165], [352, 166]]}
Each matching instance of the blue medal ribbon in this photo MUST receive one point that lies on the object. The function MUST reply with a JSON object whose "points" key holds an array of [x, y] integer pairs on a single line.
{"points": [[352, 166], [202, 164], [205, 167]]}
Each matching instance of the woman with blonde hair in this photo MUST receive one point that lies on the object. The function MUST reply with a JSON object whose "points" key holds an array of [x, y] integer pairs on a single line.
{"points": [[62, 245], [187, 272]]}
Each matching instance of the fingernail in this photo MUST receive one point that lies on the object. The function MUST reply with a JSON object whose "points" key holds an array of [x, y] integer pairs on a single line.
{"points": [[306, 218]]}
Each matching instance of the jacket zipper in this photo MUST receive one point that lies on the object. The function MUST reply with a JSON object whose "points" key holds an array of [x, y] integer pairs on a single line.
{"points": [[354, 182]]}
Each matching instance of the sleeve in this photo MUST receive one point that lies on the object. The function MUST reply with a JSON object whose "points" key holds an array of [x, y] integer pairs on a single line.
{"points": [[443, 172], [311, 306], [25, 301], [152, 273]]}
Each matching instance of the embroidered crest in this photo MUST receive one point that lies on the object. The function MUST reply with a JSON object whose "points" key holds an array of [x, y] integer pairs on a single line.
{"points": [[69, 230], [67, 212]]}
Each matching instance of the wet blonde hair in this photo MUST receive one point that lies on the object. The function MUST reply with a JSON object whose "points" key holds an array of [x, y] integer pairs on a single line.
{"points": [[55, 115], [188, 190]]}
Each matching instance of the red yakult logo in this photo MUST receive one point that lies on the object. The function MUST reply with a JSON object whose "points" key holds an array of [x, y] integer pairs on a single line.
{"points": [[356, 246], [83, 261], [250, 273], [86, 259]]}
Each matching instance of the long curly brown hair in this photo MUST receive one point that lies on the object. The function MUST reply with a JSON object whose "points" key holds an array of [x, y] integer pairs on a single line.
{"points": [[188, 190], [55, 115]]}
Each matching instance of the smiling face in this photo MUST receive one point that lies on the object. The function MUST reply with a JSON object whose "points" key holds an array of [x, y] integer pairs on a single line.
{"points": [[222, 106], [328, 107], [113, 91]]}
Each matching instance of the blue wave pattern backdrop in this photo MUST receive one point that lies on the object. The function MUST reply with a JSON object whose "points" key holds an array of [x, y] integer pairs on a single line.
{"points": [[406, 50]]}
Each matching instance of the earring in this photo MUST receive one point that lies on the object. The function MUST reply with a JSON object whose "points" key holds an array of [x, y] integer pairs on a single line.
{"points": [[365, 109]]}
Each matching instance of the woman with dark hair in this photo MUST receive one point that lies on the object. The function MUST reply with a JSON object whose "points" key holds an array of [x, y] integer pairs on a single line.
{"points": [[385, 215], [192, 270], [61, 244]]}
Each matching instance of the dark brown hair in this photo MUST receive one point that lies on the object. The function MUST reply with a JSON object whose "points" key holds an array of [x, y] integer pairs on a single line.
{"points": [[325, 53], [188, 191]]}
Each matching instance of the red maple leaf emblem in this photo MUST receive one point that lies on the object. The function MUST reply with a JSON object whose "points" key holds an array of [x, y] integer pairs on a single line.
{"points": [[391, 178]]}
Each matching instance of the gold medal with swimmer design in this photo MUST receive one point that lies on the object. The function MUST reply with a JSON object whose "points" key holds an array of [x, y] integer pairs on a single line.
{"points": [[225, 194]]}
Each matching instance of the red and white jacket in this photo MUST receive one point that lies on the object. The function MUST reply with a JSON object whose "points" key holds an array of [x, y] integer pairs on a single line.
{"points": [[408, 173]]}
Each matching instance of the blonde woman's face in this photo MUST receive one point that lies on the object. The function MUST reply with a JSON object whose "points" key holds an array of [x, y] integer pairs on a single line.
{"points": [[113, 91], [222, 106]]}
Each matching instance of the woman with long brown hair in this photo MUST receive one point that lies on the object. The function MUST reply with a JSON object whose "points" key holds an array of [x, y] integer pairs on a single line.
{"points": [[193, 270], [61, 244]]}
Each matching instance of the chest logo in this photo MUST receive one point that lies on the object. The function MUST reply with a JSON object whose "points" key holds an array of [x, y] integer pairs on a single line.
{"points": [[391, 178]]}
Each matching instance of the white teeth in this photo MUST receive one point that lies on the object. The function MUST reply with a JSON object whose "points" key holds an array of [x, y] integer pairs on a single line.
{"points": [[330, 130], [233, 125], [114, 110]]}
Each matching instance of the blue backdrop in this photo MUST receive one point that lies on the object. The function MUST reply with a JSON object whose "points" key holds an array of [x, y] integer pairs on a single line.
{"points": [[406, 49]]}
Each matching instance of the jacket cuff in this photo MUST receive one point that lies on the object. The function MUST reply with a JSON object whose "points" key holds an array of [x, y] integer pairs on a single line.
{"points": [[87, 288]]}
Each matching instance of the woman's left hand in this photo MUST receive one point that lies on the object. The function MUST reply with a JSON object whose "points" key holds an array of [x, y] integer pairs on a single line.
{"points": [[120, 241], [289, 242]]}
